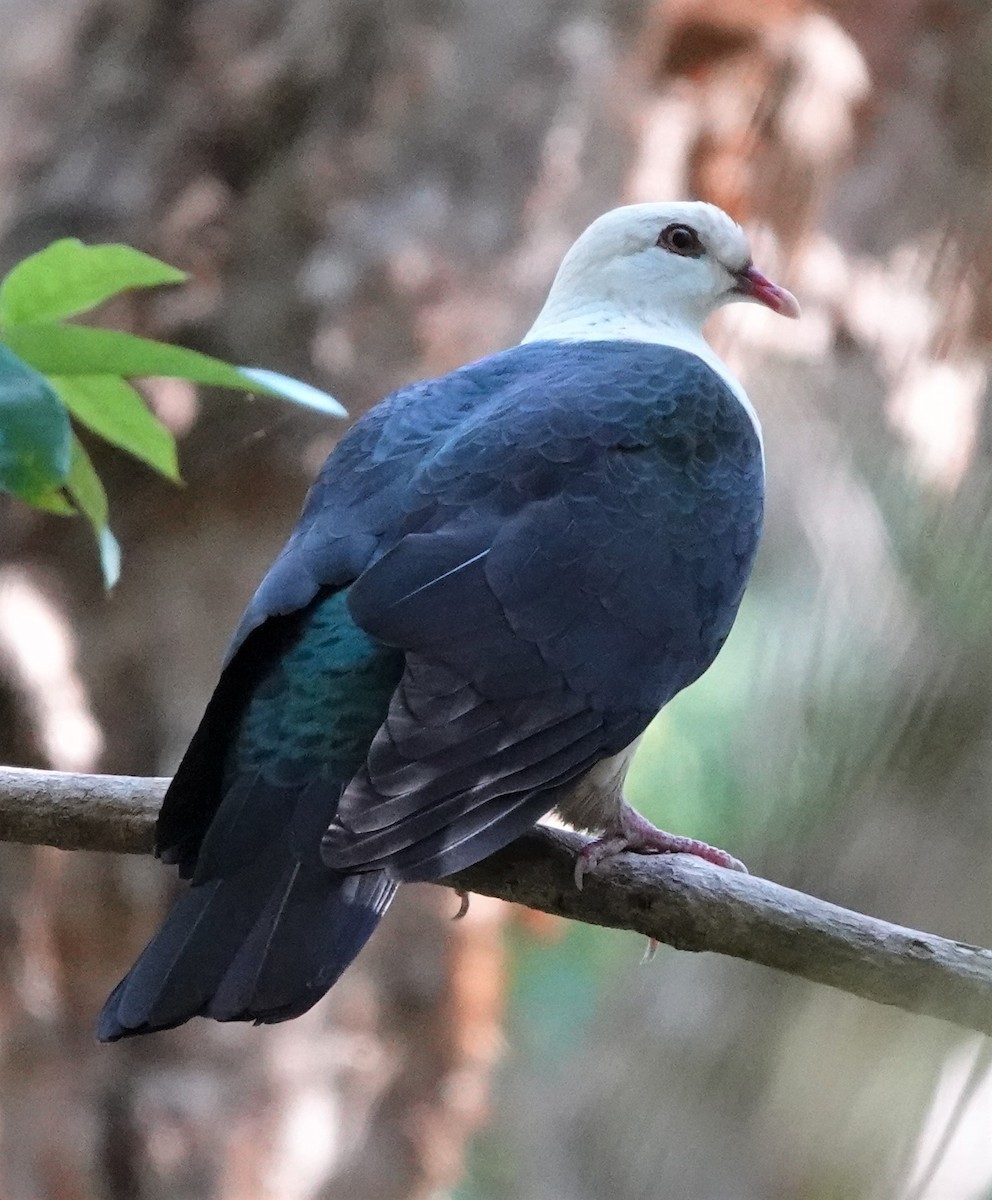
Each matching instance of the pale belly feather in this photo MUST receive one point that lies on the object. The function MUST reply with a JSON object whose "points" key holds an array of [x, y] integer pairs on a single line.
{"points": [[595, 802]]}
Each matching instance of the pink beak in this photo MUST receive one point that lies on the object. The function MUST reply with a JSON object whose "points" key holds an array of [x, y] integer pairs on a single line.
{"points": [[754, 285]]}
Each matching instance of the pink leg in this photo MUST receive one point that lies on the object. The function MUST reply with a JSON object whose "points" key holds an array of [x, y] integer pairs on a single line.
{"points": [[638, 835]]}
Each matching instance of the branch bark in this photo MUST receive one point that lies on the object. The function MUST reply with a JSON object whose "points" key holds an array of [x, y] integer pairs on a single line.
{"points": [[677, 900]]}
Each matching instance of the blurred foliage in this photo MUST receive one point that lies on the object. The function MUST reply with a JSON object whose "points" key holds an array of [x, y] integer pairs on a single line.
{"points": [[50, 372]]}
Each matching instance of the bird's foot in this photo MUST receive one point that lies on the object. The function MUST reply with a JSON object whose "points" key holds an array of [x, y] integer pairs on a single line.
{"points": [[637, 835], [465, 898]]}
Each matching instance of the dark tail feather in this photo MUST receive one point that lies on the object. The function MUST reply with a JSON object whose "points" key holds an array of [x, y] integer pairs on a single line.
{"points": [[262, 945], [310, 930]]}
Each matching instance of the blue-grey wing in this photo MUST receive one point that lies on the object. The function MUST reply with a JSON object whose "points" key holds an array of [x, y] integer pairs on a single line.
{"points": [[583, 549], [359, 503]]}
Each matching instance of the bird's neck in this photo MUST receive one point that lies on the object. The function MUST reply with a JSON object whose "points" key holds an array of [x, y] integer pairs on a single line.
{"points": [[595, 323], [598, 324]]}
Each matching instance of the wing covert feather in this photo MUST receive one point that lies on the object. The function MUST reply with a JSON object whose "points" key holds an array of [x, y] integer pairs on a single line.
{"points": [[582, 562]]}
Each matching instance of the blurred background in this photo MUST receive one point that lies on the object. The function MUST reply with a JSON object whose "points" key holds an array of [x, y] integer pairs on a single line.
{"points": [[369, 191]]}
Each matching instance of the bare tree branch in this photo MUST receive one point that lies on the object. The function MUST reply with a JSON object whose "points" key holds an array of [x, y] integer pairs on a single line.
{"points": [[79, 812], [676, 900]]}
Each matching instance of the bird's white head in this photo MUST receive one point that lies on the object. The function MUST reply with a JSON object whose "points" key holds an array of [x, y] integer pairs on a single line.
{"points": [[650, 271]]}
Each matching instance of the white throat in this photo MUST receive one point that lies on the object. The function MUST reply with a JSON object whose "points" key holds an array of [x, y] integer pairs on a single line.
{"points": [[601, 324]]}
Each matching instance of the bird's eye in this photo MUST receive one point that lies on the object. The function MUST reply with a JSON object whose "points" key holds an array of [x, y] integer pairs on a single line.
{"points": [[682, 240]]}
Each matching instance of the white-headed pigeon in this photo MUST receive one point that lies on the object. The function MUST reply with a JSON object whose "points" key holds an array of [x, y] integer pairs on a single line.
{"points": [[499, 578]]}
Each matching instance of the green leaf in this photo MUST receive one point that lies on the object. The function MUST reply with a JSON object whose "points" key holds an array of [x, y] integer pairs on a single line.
{"points": [[35, 434], [110, 556], [114, 410], [68, 278], [295, 390], [79, 350], [84, 485], [54, 502]]}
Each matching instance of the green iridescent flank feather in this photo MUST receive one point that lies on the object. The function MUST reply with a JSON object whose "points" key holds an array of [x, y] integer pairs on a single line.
{"points": [[318, 706]]}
